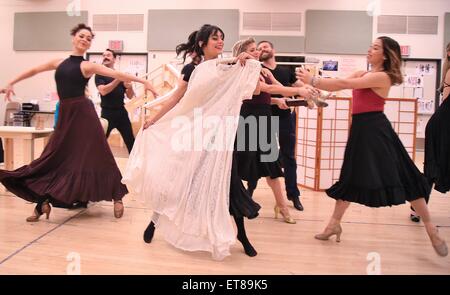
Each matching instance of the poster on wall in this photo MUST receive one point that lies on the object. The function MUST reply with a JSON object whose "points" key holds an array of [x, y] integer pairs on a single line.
{"points": [[414, 81], [425, 69], [330, 65], [133, 64], [425, 106]]}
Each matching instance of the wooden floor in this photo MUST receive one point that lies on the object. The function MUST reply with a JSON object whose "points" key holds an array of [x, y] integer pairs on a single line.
{"points": [[105, 245]]}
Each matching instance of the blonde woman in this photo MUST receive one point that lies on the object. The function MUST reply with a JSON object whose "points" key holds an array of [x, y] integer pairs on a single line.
{"points": [[254, 160]]}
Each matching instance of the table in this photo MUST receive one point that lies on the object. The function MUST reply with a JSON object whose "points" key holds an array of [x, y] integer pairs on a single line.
{"points": [[28, 135]]}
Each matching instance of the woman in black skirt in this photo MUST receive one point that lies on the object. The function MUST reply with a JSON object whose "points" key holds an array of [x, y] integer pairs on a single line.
{"points": [[377, 171], [1, 144], [257, 148], [77, 164], [437, 139]]}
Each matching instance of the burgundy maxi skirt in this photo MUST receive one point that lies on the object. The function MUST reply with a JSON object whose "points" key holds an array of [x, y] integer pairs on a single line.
{"points": [[76, 165]]}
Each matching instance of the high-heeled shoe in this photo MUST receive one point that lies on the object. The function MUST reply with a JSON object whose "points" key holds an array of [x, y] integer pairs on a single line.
{"points": [[286, 217], [441, 248], [329, 232], [40, 210], [118, 208], [319, 100]]}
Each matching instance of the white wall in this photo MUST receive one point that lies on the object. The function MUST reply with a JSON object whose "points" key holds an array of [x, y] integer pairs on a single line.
{"points": [[12, 63]]}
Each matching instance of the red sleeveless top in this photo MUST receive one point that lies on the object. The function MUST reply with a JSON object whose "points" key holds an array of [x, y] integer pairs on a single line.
{"points": [[366, 100]]}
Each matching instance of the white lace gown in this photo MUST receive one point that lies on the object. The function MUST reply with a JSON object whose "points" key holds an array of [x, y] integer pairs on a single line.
{"points": [[181, 166]]}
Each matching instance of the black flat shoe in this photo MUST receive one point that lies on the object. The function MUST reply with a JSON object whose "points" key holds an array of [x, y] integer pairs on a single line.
{"points": [[414, 218], [297, 204], [149, 232]]}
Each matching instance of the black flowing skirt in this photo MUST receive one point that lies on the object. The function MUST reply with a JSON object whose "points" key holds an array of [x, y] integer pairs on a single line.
{"points": [[437, 148], [257, 149], [76, 165], [377, 170], [241, 203]]}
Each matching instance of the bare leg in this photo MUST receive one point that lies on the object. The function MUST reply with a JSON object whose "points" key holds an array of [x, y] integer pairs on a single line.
{"points": [[334, 225], [275, 185], [339, 210], [438, 243]]}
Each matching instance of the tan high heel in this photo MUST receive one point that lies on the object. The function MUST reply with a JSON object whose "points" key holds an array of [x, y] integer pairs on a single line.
{"points": [[286, 217], [319, 100], [118, 208], [329, 232], [45, 209], [441, 248]]}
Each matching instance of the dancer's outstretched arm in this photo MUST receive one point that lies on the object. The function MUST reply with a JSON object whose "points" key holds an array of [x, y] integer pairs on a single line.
{"points": [[171, 102], [267, 73], [90, 69], [49, 66], [356, 81], [305, 92]]}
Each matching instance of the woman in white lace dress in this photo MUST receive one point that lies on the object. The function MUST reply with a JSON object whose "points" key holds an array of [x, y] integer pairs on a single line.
{"points": [[187, 179]]}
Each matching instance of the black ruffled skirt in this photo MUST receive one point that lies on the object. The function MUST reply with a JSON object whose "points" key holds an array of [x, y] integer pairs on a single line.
{"points": [[257, 149], [241, 203], [377, 171]]}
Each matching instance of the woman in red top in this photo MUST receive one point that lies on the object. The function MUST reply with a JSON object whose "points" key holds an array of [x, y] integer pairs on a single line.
{"points": [[377, 171]]}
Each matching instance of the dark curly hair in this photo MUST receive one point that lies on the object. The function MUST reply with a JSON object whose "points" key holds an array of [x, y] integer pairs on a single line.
{"points": [[202, 35], [80, 27]]}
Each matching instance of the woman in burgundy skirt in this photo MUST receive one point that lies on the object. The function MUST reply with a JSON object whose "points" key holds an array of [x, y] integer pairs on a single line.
{"points": [[77, 164]]}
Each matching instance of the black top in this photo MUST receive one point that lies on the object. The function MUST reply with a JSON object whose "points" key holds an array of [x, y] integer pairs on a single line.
{"points": [[187, 71], [286, 77], [114, 99], [262, 97], [70, 81]]}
